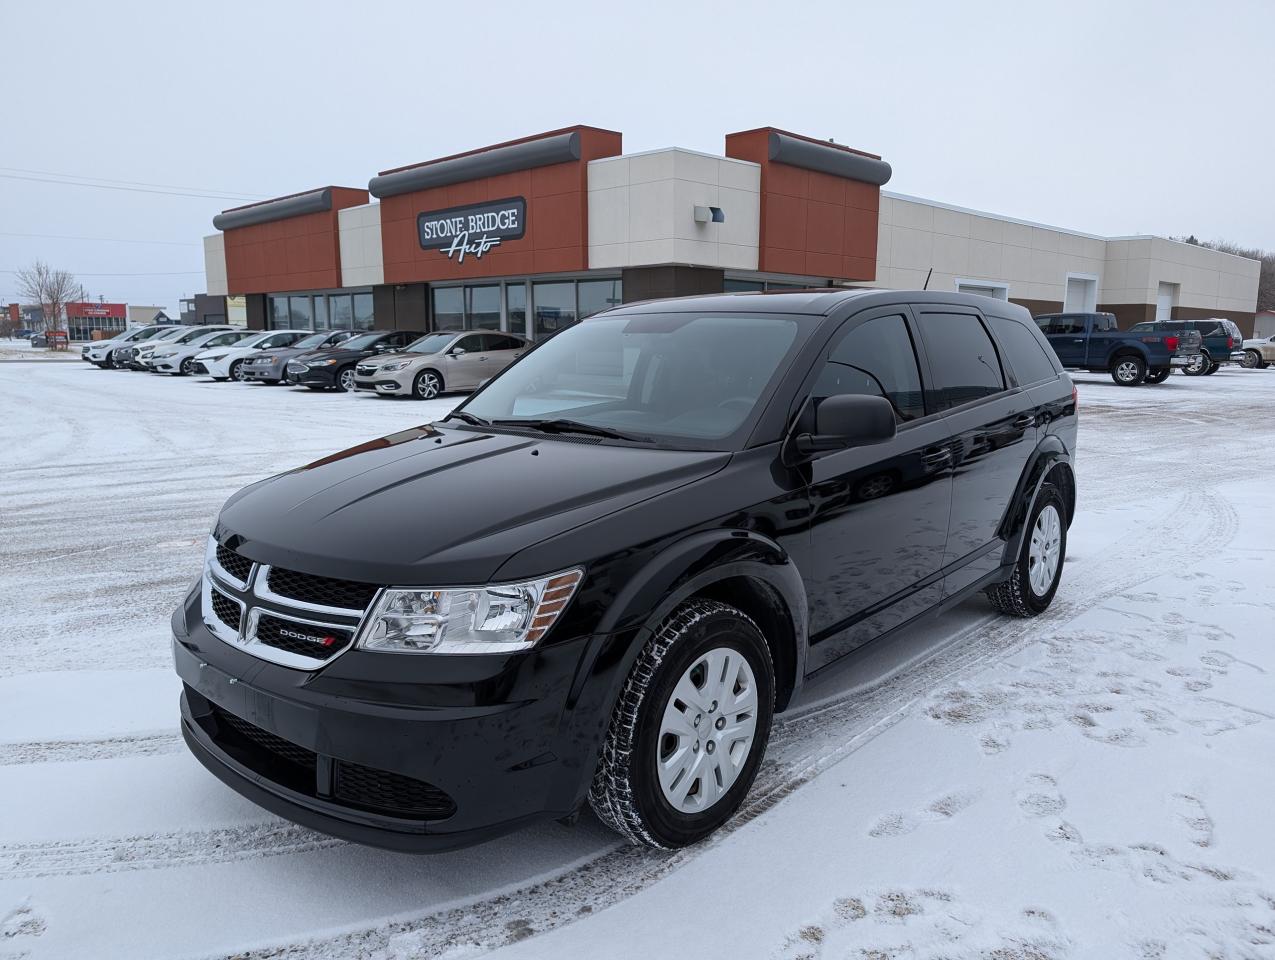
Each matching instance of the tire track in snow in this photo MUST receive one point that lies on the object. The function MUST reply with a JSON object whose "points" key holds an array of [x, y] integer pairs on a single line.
{"points": [[108, 748]]}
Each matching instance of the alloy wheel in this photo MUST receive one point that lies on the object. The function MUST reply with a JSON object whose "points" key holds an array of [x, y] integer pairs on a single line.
{"points": [[427, 386], [1127, 371], [345, 380], [1251, 360], [237, 372], [187, 366], [707, 731], [1044, 550]]}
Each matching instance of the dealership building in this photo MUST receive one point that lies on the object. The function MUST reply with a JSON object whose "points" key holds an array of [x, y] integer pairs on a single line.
{"points": [[531, 235]]}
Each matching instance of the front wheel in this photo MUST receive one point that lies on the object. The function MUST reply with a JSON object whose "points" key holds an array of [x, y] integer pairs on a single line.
{"points": [[108, 362], [427, 385], [345, 380], [237, 372], [1038, 570], [1252, 360], [1212, 369], [1158, 376], [1128, 371], [689, 730], [187, 367]]}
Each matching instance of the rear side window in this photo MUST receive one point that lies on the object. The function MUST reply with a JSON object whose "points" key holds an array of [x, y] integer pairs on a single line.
{"points": [[1027, 355], [876, 359], [1061, 325], [963, 361]]}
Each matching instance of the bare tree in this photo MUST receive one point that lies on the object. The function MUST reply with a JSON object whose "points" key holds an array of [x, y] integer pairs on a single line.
{"points": [[52, 289]]}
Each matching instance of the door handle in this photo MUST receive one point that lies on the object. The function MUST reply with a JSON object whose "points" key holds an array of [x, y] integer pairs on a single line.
{"points": [[1079, 340], [1025, 421]]}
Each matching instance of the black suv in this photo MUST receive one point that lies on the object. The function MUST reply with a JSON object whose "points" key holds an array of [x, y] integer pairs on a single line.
{"points": [[599, 577]]}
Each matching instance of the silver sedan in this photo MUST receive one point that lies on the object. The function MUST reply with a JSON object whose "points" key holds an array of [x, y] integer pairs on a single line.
{"points": [[440, 362]]}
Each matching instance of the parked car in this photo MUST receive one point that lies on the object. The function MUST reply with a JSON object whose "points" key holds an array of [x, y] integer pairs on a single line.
{"points": [[271, 365], [39, 339], [226, 362], [130, 356], [1094, 342], [438, 362], [178, 359], [1222, 341], [332, 368], [597, 579], [1258, 353], [102, 352], [154, 351]]}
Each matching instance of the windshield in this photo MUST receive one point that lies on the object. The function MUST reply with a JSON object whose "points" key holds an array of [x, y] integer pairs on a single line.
{"points": [[431, 343], [314, 340], [675, 375], [143, 333], [194, 335], [361, 343], [222, 339]]}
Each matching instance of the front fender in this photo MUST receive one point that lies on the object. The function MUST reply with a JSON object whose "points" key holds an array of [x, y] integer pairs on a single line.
{"points": [[1049, 453], [685, 568]]}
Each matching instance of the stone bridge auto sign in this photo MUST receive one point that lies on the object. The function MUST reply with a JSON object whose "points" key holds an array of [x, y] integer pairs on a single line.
{"points": [[472, 230]]}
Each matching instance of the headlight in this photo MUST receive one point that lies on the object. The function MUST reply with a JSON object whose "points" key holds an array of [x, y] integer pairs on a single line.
{"points": [[320, 363], [392, 366], [503, 618], [220, 356]]}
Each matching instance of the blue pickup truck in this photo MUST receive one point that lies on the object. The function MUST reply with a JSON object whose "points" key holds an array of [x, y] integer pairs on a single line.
{"points": [[1094, 342]]}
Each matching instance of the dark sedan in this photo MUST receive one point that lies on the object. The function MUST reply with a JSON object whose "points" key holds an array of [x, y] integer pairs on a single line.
{"points": [[270, 366], [334, 367]]}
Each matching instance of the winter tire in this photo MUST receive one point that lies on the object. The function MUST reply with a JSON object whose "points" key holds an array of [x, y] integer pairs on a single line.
{"points": [[689, 729], [1158, 376], [1196, 367], [1212, 369], [1128, 371], [1038, 570], [236, 372], [108, 362], [1252, 360], [345, 380], [427, 385]]}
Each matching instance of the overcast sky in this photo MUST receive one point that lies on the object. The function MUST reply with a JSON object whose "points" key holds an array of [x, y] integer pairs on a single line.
{"points": [[1109, 117]]}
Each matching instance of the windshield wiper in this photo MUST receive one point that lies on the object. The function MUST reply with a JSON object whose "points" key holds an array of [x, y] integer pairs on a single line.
{"points": [[467, 418], [559, 425]]}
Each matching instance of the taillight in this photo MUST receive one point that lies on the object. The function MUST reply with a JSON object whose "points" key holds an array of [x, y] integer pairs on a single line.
{"points": [[1230, 343], [1172, 344], [1075, 397]]}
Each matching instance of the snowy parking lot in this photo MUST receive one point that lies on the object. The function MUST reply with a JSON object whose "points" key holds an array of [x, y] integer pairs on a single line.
{"points": [[1093, 783]]}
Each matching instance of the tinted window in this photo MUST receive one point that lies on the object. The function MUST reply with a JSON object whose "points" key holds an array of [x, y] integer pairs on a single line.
{"points": [[1142, 328], [1061, 325], [963, 361], [431, 343], [1027, 355], [472, 343], [876, 359]]}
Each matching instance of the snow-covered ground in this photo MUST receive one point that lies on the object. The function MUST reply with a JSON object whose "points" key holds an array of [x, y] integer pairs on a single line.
{"points": [[11, 349], [1094, 783]]}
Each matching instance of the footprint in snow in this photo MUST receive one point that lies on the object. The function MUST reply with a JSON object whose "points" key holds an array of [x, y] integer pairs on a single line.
{"points": [[22, 921], [944, 808]]}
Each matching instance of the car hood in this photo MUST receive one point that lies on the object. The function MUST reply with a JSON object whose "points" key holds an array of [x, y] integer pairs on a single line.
{"points": [[335, 353], [381, 358], [440, 506]]}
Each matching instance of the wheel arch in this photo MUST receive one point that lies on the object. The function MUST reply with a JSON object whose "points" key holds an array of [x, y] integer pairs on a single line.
{"points": [[1050, 463]]}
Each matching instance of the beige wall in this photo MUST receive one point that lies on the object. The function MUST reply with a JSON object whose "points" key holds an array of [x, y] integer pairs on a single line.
{"points": [[362, 263], [1033, 260], [215, 265], [140, 315], [642, 210]]}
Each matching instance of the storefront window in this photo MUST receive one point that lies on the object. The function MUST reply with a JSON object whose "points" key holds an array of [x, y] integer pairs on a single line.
{"points": [[363, 316], [279, 319], [555, 307], [598, 295], [300, 316], [449, 308], [320, 312], [341, 311], [516, 307], [482, 308], [742, 286]]}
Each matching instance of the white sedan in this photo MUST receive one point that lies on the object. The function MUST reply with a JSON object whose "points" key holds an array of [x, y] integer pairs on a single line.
{"points": [[179, 358], [226, 362]]}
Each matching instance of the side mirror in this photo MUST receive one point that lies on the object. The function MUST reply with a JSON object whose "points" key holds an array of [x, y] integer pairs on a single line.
{"points": [[849, 420], [456, 351]]}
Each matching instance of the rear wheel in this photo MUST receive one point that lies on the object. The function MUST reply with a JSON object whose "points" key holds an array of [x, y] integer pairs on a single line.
{"points": [[1212, 369], [1038, 570], [1158, 376], [1252, 360], [427, 385], [1197, 365], [1128, 371], [689, 730]]}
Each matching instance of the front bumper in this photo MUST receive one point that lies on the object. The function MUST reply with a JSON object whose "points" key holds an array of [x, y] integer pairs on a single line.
{"points": [[383, 384], [481, 745], [266, 374], [166, 365], [302, 375]]}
